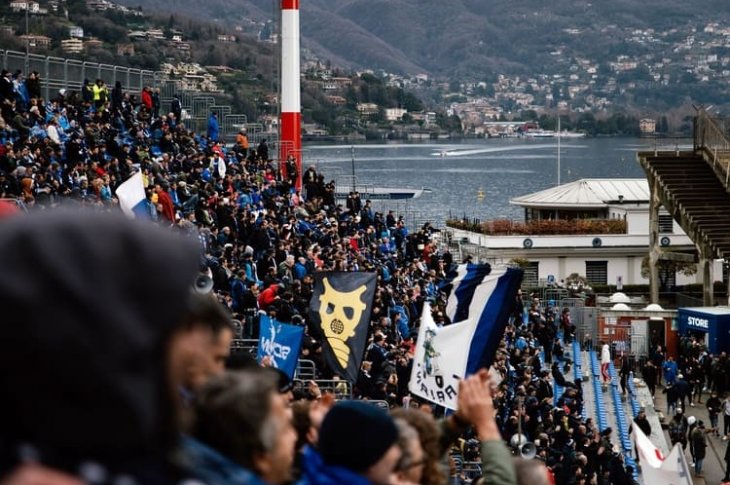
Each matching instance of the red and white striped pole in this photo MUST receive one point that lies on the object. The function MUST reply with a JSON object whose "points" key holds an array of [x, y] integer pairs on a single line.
{"points": [[290, 123]]}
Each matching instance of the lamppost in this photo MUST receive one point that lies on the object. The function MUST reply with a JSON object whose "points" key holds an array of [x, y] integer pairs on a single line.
{"points": [[27, 38]]}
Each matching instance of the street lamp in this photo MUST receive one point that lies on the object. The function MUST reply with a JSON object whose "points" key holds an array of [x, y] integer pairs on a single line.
{"points": [[27, 38]]}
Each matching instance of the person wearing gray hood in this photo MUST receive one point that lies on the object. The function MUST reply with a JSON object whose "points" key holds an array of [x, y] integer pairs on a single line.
{"points": [[91, 302]]}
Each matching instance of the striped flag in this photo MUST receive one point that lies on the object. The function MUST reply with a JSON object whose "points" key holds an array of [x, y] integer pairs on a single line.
{"points": [[479, 303], [486, 296]]}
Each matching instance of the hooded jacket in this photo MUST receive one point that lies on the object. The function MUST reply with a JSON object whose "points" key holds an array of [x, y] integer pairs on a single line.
{"points": [[317, 472], [89, 303]]}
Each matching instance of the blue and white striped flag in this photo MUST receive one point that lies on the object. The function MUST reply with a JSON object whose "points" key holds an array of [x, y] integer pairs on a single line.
{"points": [[480, 301], [485, 295]]}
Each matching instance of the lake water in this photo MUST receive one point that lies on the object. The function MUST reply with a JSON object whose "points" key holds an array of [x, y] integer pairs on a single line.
{"points": [[458, 172]]}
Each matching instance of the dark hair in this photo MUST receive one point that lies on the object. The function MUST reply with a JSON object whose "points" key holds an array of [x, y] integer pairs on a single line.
{"points": [[204, 310], [232, 415]]}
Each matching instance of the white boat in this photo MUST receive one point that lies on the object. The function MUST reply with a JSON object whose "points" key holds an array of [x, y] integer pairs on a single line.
{"points": [[539, 134], [572, 134], [553, 134]]}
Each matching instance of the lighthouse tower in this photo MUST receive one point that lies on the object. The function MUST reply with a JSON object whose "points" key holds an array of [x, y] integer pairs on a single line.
{"points": [[290, 123]]}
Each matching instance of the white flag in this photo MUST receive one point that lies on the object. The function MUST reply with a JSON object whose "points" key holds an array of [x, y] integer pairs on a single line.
{"points": [[131, 193], [655, 467], [440, 359]]}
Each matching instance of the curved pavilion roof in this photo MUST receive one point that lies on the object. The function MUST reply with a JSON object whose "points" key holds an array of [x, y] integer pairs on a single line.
{"points": [[587, 193]]}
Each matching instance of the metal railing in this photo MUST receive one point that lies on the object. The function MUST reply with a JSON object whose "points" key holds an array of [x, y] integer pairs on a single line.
{"points": [[57, 73], [711, 136], [340, 389], [244, 345], [306, 370]]}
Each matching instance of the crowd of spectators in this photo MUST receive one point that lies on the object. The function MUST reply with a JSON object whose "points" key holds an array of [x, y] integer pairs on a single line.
{"points": [[260, 240]]}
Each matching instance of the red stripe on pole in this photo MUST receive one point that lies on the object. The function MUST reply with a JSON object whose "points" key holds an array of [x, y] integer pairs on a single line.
{"points": [[290, 4], [291, 143]]}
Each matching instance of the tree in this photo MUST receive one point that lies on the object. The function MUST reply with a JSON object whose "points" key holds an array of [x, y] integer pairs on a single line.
{"points": [[528, 115], [577, 283], [667, 269], [522, 263], [412, 103]]}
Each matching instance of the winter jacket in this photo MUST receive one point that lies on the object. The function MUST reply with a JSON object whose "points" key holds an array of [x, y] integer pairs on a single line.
{"points": [[316, 472]]}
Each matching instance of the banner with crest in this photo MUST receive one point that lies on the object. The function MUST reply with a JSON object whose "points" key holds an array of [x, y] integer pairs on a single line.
{"points": [[340, 307], [480, 300]]}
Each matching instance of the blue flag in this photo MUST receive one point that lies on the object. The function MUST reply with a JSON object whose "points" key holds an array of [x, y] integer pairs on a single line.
{"points": [[280, 343]]}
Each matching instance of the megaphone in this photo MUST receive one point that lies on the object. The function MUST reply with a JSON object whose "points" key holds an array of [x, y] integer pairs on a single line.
{"points": [[522, 447], [528, 451], [203, 284]]}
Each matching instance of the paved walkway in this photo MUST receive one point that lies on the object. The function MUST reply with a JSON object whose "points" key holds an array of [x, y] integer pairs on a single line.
{"points": [[714, 465]]}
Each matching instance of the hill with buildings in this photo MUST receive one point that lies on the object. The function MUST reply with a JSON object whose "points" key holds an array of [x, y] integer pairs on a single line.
{"points": [[634, 53]]}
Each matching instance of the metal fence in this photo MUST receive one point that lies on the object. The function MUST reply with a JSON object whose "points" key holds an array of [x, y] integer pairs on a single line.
{"points": [[306, 370], [59, 73], [340, 389], [244, 345]]}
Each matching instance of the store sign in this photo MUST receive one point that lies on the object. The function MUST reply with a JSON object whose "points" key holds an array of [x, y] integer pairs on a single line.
{"points": [[697, 322]]}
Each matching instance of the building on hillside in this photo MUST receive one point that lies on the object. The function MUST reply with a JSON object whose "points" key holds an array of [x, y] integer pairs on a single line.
{"points": [[93, 43], [76, 32], [98, 5], [337, 100], [125, 49], [36, 41], [72, 46], [394, 114], [367, 110], [605, 256], [226, 38], [221, 69], [155, 34], [647, 126], [23, 5]]}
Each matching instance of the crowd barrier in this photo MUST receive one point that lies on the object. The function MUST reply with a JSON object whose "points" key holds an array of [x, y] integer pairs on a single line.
{"points": [[306, 370], [59, 73], [341, 389], [244, 345]]}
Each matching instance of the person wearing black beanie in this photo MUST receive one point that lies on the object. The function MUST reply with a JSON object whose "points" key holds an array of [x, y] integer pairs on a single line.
{"points": [[357, 445]]}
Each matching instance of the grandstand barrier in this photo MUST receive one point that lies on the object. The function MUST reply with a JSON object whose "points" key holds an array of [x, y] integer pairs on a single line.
{"points": [[306, 370], [57, 73], [244, 345], [341, 389], [601, 417]]}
